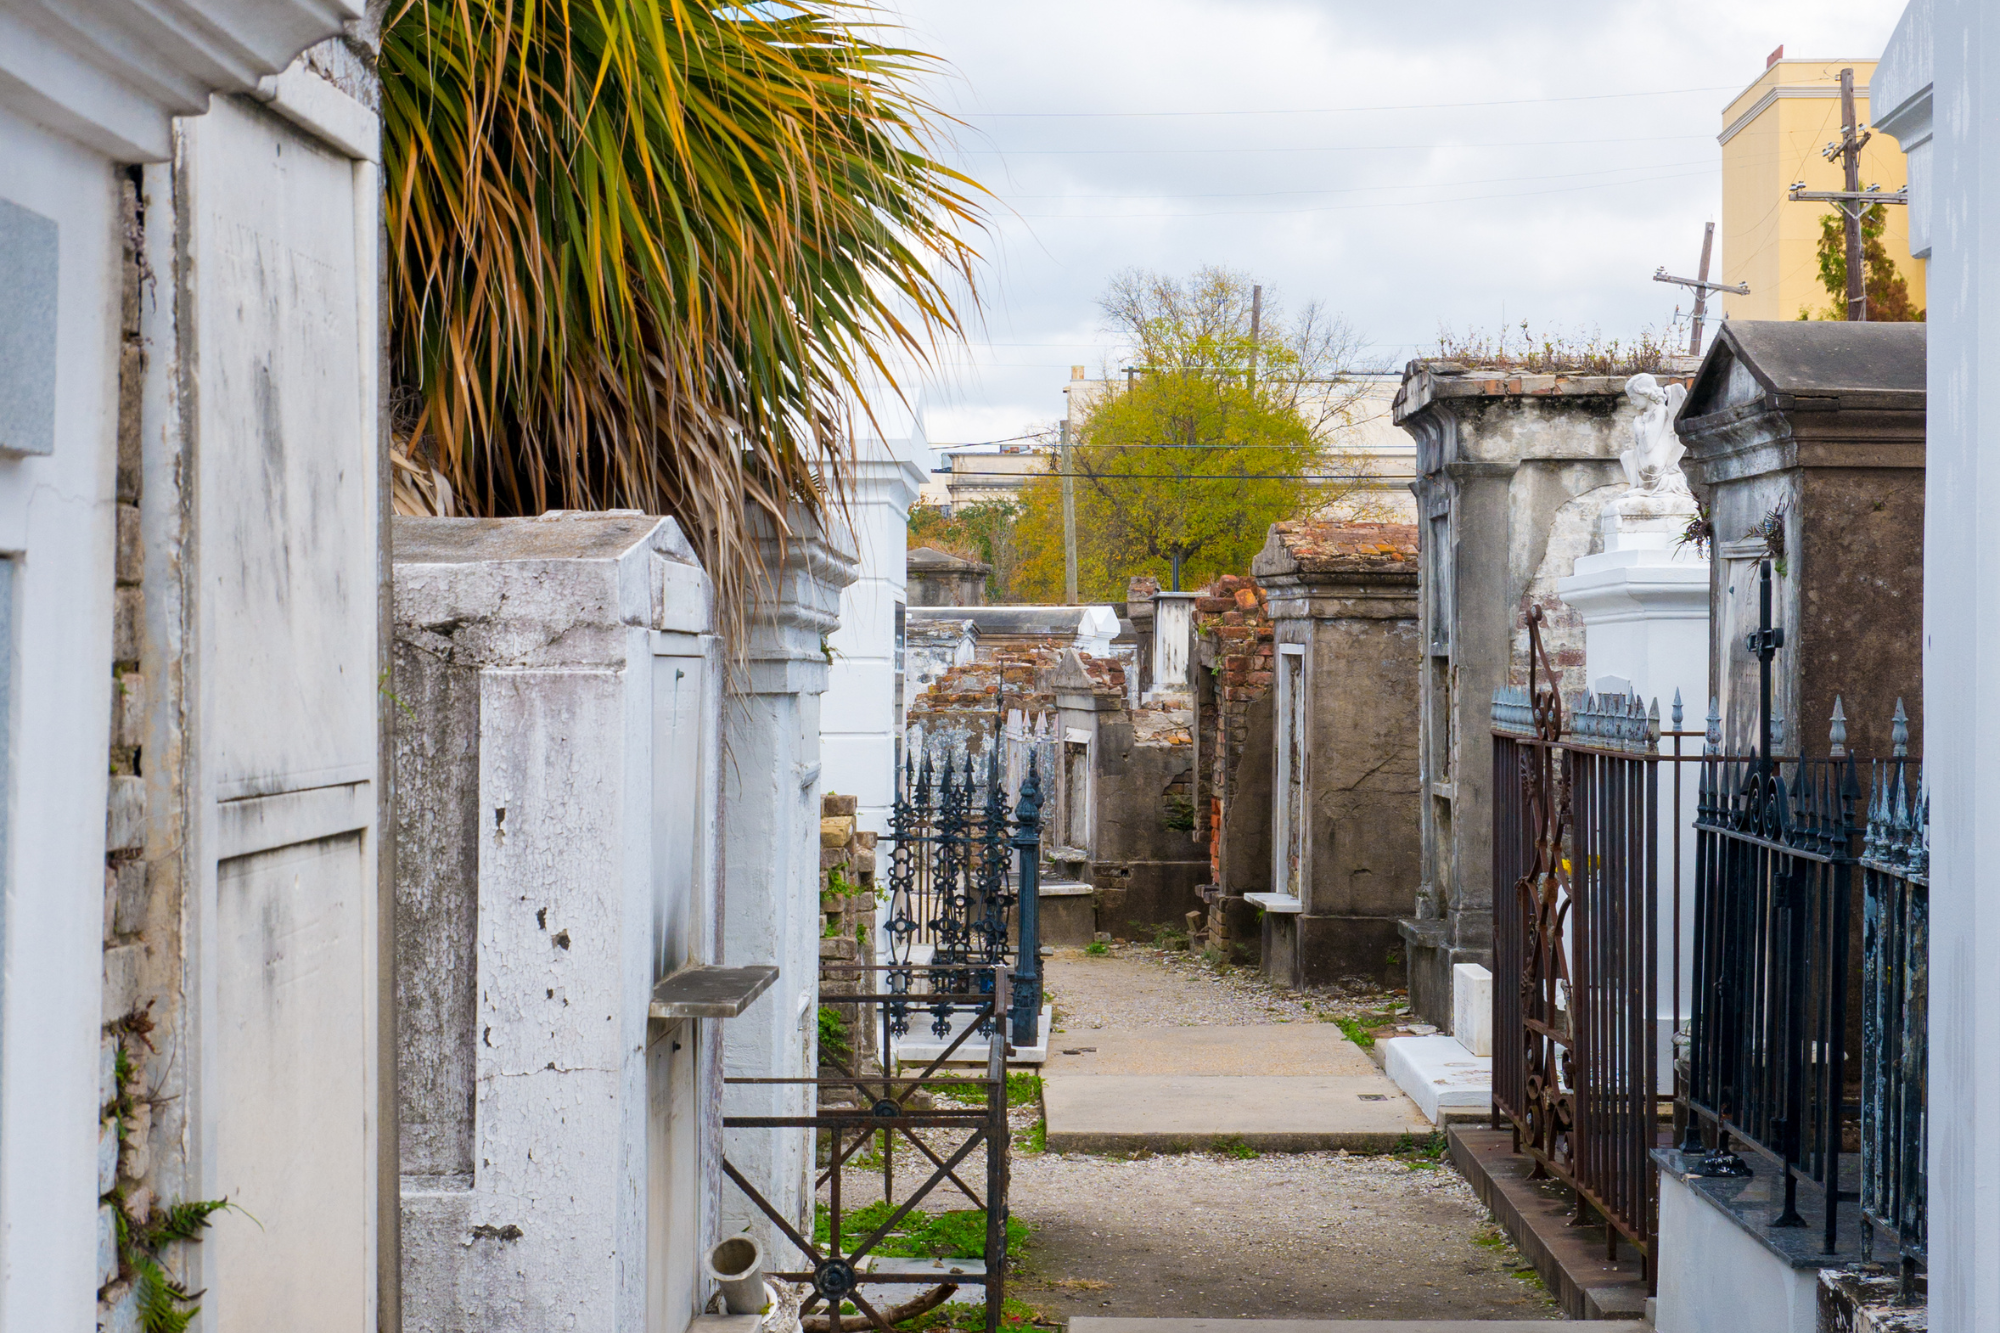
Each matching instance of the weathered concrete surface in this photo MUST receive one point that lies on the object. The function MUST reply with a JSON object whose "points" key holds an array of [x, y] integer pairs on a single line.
{"points": [[1343, 603], [1279, 1087], [1278, 1049], [1140, 881], [1190, 1113], [1513, 471]]}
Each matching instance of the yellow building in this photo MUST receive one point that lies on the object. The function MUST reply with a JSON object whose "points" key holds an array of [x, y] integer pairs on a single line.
{"points": [[1772, 135]]}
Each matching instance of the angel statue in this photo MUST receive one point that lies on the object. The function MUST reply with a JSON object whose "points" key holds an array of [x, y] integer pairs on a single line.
{"points": [[1653, 463]]}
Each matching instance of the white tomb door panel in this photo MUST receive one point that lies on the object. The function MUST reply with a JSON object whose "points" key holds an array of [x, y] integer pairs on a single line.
{"points": [[280, 358]]}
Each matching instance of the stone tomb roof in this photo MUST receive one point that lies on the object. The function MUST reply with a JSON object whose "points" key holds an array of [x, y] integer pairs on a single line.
{"points": [[1827, 364], [930, 560], [1314, 547]]}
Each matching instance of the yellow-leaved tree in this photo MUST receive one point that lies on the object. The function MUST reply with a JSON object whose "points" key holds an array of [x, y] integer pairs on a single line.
{"points": [[1180, 471]]}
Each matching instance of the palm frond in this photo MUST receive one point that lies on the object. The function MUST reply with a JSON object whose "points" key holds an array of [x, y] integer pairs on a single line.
{"points": [[643, 253]]}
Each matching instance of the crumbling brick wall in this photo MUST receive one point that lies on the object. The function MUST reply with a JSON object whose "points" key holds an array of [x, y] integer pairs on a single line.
{"points": [[847, 921], [1233, 629]]}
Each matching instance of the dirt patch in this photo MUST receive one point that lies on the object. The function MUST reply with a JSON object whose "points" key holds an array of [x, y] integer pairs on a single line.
{"points": [[1134, 985]]}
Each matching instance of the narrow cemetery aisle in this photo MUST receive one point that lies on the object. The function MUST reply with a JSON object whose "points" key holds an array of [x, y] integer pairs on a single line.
{"points": [[1232, 1230]]}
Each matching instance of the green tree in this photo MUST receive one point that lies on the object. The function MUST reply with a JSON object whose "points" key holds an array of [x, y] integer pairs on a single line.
{"points": [[643, 252], [982, 530], [1182, 469], [1888, 293]]}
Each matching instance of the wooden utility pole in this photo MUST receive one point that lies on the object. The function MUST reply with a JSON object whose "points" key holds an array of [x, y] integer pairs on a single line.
{"points": [[1702, 287], [1069, 520], [1256, 327], [1850, 153], [1853, 200]]}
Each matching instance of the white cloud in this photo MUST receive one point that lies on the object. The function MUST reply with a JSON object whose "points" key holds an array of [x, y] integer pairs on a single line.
{"points": [[1402, 220]]}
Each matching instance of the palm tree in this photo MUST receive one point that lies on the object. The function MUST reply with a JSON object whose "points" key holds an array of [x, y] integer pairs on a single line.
{"points": [[643, 253]]}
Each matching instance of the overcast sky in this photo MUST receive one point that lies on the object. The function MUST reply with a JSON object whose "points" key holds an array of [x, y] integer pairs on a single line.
{"points": [[1312, 144]]}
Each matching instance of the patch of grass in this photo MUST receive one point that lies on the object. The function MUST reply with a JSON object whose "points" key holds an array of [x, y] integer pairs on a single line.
{"points": [[1023, 1089], [920, 1235], [1097, 948], [1421, 1154], [1490, 1237], [1233, 1146], [1527, 1274], [1355, 1031], [1033, 1140]]}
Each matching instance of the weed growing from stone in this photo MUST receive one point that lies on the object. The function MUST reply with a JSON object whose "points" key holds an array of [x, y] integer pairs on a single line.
{"points": [[1355, 1031], [1421, 1154], [1234, 1146], [1097, 948]]}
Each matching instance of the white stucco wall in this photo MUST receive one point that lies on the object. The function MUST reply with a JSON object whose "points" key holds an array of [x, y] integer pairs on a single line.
{"points": [[770, 817], [597, 755], [860, 720], [1961, 654], [56, 530], [1715, 1278]]}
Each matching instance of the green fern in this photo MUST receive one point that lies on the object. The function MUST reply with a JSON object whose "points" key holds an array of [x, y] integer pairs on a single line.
{"points": [[164, 1305]]}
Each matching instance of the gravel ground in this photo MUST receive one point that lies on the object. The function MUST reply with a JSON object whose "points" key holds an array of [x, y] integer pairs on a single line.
{"points": [[1307, 1235]]}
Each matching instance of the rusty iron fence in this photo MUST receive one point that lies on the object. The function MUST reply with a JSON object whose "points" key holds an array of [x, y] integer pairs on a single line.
{"points": [[855, 1110], [1575, 865]]}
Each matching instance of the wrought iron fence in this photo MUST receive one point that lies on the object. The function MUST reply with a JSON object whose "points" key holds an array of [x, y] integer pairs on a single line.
{"points": [[1576, 828], [1895, 950], [884, 1109], [964, 878], [1804, 1048], [1801, 1047]]}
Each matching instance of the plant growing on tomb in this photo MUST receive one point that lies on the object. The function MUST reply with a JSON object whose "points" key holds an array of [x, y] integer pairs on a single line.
{"points": [[1699, 532]]}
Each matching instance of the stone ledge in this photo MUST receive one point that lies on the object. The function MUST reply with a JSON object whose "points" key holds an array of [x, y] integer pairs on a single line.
{"points": [[1536, 1215]]}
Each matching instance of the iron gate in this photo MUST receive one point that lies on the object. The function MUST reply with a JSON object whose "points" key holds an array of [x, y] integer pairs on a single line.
{"points": [[964, 882]]}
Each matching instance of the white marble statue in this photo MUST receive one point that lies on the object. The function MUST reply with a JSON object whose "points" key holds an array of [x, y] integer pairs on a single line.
{"points": [[1653, 463]]}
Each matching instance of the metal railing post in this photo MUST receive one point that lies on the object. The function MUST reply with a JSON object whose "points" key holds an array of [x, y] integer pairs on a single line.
{"points": [[1027, 985]]}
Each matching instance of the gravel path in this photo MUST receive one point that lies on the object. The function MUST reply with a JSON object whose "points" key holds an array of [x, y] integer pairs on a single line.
{"points": [[1308, 1235]]}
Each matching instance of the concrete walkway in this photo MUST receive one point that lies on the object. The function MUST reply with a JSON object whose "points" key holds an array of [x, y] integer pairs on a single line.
{"points": [[1275, 1087]]}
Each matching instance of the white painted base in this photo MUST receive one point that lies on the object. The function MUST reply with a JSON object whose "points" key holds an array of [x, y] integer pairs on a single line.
{"points": [[1715, 1278], [1472, 1007], [922, 1046], [1437, 1072]]}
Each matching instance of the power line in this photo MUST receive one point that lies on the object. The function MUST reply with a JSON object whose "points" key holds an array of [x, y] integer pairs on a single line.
{"points": [[1380, 203], [1238, 149], [1357, 189], [1334, 110]]}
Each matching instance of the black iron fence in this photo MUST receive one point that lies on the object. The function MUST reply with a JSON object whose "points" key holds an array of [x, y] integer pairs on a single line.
{"points": [[964, 881], [1895, 948]]}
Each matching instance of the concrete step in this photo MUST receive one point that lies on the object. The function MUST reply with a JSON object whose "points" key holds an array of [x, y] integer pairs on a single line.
{"points": [[1272, 1049], [1347, 1325], [1088, 1325], [1194, 1112]]}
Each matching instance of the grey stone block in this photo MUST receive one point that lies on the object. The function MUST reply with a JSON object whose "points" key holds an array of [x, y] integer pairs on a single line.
{"points": [[107, 1071], [107, 1157], [131, 550], [128, 711], [127, 613], [121, 980], [129, 898], [107, 1246], [125, 820]]}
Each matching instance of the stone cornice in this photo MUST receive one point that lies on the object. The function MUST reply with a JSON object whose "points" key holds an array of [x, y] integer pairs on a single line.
{"points": [[113, 73]]}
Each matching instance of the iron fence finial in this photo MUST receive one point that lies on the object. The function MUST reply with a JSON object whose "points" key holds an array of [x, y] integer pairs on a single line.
{"points": [[1678, 711], [1899, 733], [1653, 721], [1837, 734], [1712, 739]]}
